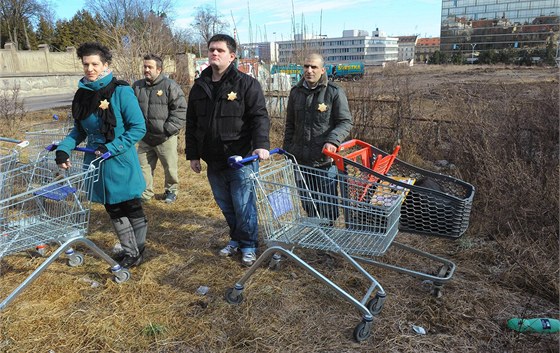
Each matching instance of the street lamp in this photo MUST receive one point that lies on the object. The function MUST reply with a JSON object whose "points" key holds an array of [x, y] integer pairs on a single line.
{"points": [[472, 52]]}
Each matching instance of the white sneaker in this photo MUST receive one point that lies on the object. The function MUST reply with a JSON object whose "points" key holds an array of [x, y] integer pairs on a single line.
{"points": [[249, 258], [229, 250]]}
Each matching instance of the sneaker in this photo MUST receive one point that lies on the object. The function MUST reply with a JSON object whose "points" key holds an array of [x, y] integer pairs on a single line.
{"points": [[229, 250], [249, 258], [170, 197]]}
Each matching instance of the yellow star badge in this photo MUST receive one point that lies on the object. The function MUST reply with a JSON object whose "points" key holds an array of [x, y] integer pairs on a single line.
{"points": [[231, 96], [322, 107], [159, 93], [104, 104]]}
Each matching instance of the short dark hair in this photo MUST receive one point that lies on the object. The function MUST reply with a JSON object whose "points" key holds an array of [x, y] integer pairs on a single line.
{"points": [[95, 48], [157, 59], [230, 42]]}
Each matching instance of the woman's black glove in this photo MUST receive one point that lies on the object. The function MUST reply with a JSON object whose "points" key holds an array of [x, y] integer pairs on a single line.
{"points": [[101, 150], [61, 157]]}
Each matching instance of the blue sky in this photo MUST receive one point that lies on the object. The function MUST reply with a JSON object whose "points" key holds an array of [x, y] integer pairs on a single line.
{"points": [[272, 20]]}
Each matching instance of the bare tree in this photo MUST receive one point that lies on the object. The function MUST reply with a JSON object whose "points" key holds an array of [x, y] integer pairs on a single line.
{"points": [[17, 13], [133, 28], [207, 22]]}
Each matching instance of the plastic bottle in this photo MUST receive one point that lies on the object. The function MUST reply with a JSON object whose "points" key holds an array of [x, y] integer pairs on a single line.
{"points": [[537, 325]]}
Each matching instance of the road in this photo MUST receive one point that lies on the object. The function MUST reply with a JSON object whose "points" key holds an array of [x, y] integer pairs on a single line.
{"points": [[45, 102]]}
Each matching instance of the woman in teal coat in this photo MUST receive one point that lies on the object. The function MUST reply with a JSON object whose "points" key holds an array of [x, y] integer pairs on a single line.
{"points": [[107, 113]]}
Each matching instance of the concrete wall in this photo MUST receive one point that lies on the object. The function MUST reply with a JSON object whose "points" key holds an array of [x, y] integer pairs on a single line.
{"points": [[41, 72]]}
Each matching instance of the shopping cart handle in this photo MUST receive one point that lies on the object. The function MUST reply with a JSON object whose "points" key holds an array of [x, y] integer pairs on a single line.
{"points": [[18, 143], [237, 162], [105, 155]]}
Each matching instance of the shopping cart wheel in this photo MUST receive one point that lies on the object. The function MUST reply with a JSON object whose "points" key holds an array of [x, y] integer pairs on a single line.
{"points": [[375, 304], [122, 276], [438, 286], [233, 298], [76, 259], [275, 262], [362, 331]]}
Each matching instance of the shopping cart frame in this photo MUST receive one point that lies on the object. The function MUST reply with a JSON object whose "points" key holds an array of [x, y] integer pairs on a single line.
{"points": [[456, 201], [318, 233], [32, 208]]}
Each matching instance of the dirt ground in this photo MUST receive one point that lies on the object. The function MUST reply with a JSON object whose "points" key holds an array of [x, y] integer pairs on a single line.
{"points": [[82, 309]]}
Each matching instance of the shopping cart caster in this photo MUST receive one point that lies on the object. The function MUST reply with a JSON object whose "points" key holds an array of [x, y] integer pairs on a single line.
{"points": [[41, 250], [437, 290], [375, 304], [362, 331], [234, 295], [274, 263], [121, 274], [438, 286], [74, 258]]}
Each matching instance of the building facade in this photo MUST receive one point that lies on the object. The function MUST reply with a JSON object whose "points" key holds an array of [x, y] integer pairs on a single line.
{"points": [[407, 45], [425, 48], [354, 45], [469, 26]]}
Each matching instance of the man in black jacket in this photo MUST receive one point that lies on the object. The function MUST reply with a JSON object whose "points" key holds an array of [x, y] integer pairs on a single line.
{"points": [[227, 116], [317, 118]]}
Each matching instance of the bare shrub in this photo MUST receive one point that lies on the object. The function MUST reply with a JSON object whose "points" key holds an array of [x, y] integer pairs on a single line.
{"points": [[499, 136], [12, 112]]}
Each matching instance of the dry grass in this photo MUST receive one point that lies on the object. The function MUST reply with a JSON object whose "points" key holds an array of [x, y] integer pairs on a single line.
{"points": [[158, 310]]}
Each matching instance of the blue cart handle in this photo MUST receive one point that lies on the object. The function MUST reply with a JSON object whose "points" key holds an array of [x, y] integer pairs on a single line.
{"points": [[237, 162], [105, 155]]}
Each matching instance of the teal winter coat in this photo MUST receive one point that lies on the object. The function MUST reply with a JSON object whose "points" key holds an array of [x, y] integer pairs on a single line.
{"points": [[120, 176]]}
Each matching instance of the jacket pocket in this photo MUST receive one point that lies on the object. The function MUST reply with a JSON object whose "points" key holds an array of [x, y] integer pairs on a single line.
{"points": [[230, 119]]}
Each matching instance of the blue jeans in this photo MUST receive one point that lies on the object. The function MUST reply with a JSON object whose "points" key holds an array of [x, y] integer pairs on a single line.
{"points": [[234, 194]]}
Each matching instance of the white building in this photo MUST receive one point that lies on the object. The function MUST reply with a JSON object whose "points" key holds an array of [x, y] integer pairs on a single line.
{"points": [[407, 47], [354, 45]]}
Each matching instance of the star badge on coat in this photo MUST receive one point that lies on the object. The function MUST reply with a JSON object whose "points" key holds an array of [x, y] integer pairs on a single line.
{"points": [[159, 93], [231, 96], [104, 104], [322, 107]]}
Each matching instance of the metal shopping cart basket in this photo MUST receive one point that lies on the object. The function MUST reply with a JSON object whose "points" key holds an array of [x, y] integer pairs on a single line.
{"points": [[48, 207], [286, 197], [41, 135], [9, 159], [435, 204]]}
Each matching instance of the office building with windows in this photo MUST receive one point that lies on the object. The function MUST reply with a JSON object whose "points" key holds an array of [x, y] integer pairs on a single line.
{"points": [[469, 26], [354, 45]]}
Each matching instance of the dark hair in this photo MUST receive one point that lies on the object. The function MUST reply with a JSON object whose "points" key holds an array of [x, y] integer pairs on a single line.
{"points": [[230, 42], [157, 59], [95, 48]]}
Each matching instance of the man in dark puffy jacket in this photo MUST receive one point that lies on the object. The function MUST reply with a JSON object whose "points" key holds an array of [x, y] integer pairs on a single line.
{"points": [[227, 116], [164, 106], [317, 118]]}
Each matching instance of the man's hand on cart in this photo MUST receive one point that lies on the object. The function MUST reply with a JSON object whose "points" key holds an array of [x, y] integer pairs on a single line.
{"points": [[329, 147], [262, 153], [195, 165], [63, 160]]}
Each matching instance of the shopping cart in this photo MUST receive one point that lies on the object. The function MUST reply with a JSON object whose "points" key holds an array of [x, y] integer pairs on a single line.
{"points": [[435, 204], [50, 207], [286, 196], [10, 151], [41, 135]]}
